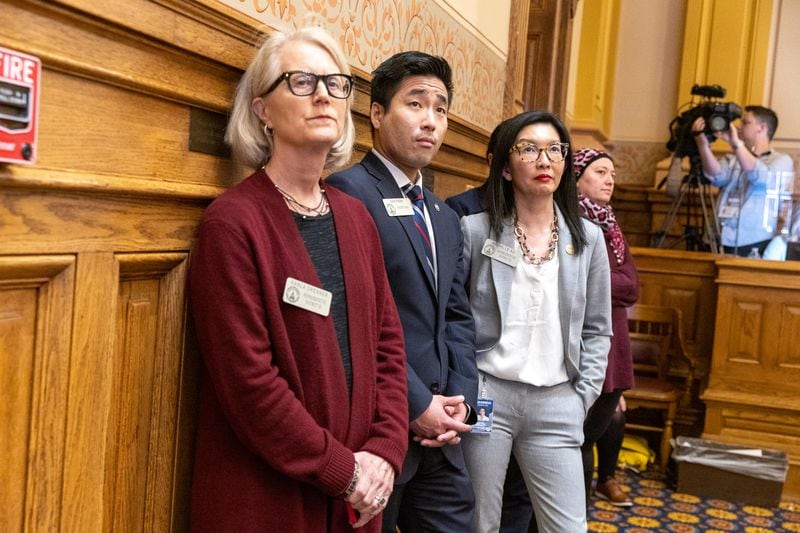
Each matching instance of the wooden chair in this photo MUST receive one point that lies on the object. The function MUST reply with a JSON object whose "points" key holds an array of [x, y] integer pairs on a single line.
{"points": [[655, 335]]}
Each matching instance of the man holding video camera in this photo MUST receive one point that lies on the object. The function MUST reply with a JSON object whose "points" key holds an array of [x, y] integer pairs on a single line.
{"points": [[742, 175]]}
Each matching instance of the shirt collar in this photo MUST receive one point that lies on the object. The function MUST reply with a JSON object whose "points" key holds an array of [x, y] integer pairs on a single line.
{"points": [[399, 176]]}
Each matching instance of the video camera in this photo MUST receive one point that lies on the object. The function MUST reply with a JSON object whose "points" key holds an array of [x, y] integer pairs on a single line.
{"points": [[718, 117]]}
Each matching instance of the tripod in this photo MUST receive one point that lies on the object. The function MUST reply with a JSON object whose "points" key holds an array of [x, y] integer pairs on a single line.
{"points": [[701, 229]]}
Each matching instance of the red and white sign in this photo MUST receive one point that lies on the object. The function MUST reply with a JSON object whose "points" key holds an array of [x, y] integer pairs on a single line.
{"points": [[20, 82]]}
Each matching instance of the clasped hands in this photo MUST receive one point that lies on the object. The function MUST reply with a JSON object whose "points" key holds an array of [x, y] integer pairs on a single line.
{"points": [[441, 422], [438, 425]]}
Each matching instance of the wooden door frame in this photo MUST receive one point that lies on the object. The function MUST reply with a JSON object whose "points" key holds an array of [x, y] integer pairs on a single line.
{"points": [[540, 36]]}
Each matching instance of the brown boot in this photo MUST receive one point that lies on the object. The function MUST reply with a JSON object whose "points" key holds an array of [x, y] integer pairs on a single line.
{"points": [[611, 492]]}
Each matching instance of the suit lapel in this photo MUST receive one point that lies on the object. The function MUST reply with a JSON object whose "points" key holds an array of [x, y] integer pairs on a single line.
{"points": [[568, 269], [503, 274], [388, 188]]}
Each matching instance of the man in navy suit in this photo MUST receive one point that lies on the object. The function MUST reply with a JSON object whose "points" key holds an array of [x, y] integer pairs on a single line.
{"points": [[422, 247]]}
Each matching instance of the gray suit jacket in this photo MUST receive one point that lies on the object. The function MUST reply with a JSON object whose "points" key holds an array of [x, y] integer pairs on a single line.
{"points": [[584, 294]]}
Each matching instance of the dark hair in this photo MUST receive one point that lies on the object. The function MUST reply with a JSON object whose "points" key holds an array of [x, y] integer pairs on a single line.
{"points": [[500, 193], [765, 115], [493, 140], [386, 79]]}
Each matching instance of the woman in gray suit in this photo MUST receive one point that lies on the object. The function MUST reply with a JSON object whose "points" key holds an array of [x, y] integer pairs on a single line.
{"points": [[541, 354]]}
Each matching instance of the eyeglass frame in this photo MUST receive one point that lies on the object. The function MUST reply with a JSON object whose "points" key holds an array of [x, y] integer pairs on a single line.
{"points": [[286, 76], [564, 151]]}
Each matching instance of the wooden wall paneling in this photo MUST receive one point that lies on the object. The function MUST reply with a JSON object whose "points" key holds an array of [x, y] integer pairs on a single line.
{"points": [[74, 41], [145, 383], [788, 352], [90, 393], [35, 296], [745, 337], [753, 397], [224, 37], [89, 125], [759, 304], [633, 214], [118, 131], [685, 281], [36, 220]]}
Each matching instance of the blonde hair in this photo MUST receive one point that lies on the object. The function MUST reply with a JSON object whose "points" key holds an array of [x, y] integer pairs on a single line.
{"points": [[245, 133]]}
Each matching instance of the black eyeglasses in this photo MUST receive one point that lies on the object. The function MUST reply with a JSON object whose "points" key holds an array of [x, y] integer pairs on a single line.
{"points": [[530, 153], [305, 83]]}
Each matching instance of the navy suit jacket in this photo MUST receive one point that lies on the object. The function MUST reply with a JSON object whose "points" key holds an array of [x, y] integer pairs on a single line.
{"points": [[469, 202], [437, 324]]}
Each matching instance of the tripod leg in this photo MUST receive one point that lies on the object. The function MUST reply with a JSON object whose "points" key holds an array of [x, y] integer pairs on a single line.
{"points": [[711, 230], [670, 217]]}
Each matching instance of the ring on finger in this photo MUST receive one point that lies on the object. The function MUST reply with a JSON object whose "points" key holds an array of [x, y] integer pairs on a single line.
{"points": [[381, 500]]}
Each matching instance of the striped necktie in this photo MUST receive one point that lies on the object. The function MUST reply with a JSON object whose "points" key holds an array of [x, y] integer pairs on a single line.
{"points": [[414, 193]]}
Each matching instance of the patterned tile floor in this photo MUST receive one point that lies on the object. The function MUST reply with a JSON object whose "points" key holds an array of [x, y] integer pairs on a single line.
{"points": [[657, 508]]}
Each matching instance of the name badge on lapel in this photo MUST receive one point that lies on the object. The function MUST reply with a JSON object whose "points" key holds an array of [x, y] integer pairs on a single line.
{"points": [[501, 252], [306, 296], [398, 207]]}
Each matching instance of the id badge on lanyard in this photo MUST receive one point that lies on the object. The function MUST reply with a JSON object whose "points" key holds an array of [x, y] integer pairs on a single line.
{"points": [[732, 202], [730, 209], [485, 411]]}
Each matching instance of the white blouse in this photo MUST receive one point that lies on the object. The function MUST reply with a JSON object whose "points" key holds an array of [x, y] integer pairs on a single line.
{"points": [[531, 347]]}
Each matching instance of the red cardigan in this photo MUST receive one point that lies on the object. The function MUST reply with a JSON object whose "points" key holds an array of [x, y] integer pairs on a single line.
{"points": [[277, 430]]}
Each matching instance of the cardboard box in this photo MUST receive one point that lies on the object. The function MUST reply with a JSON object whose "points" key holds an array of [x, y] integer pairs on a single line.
{"points": [[727, 472]]}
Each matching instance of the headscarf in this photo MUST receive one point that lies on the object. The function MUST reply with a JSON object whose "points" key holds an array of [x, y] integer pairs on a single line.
{"points": [[585, 157], [602, 215]]}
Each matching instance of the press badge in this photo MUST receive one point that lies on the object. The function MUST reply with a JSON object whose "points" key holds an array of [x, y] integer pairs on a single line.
{"points": [[485, 411], [398, 207], [501, 252], [306, 296], [730, 209]]}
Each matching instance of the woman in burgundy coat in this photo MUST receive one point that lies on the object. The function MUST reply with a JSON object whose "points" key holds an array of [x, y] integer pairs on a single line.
{"points": [[605, 422], [302, 423]]}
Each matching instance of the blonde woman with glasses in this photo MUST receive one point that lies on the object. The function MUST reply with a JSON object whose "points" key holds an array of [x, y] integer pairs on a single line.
{"points": [[303, 421]]}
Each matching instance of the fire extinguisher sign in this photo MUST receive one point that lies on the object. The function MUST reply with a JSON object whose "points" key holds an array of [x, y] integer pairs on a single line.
{"points": [[20, 80]]}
